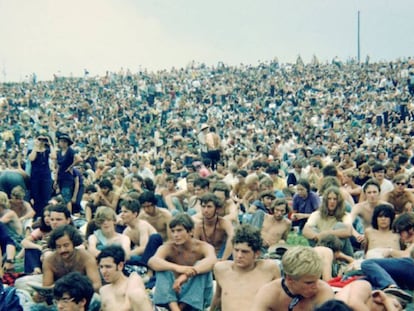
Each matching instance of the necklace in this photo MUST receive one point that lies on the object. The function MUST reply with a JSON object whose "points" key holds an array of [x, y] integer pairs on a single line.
{"points": [[295, 298], [210, 240]]}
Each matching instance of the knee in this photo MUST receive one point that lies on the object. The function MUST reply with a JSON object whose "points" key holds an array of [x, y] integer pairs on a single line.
{"points": [[138, 297], [156, 238]]}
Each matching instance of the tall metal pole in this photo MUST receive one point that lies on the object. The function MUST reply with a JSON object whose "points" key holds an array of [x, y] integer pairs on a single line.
{"points": [[359, 37]]}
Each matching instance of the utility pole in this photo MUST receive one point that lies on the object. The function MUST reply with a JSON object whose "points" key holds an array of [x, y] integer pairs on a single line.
{"points": [[359, 37]]}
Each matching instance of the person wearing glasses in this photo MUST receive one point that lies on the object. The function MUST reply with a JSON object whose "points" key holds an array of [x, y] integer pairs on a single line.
{"points": [[400, 196], [73, 292]]}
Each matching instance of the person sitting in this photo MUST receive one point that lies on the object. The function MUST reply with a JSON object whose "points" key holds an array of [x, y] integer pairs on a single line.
{"points": [[144, 237], [8, 250], [73, 291], [22, 208], [391, 274], [120, 292], [275, 227], [304, 203], [359, 296], [213, 228], [67, 258], [183, 267], [238, 280], [399, 196], [35, 243], [330, 218], [300, 288], [10, 219], [159, 218], [379, 238], [105, 235]]}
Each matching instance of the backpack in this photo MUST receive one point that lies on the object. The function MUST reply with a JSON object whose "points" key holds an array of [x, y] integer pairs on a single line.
{"points": [[9, 301]]}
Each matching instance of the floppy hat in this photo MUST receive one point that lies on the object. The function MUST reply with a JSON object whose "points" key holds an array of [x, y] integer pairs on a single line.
{"points": [[67, 138]]}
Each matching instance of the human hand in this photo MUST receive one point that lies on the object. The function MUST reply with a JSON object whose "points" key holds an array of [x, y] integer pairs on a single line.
{"points": [[178, 282], [189, 271], [389, 303], [360, 238]]}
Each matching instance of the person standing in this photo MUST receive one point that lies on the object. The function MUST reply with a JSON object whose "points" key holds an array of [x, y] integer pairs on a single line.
{"points": [[41, 176], [213, 143], [66, 160]]}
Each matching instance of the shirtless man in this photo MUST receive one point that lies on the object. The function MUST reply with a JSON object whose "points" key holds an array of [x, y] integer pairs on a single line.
{"points": [[145, 238], [365, 209], [300, 288], [379, 238], [359, 296], [399, 196], [66, 257], [183, 268], [213, 228], [276, 227], [10, 218], [159, 218], [230, 210], [121, 293], [395, 272], [238, 281]]}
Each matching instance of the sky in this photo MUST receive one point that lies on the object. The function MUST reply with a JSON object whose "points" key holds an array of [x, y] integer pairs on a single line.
{"points": [[65, 37]]}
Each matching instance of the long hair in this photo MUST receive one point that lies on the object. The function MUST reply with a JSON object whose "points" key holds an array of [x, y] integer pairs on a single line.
{"points": [[340, 208]]}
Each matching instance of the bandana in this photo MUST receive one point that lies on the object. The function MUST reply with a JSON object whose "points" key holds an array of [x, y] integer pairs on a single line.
{"points": [[295, 298]]}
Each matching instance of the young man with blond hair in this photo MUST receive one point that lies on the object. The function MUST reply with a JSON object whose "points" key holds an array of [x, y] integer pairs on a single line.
{"points": [[301, 287]]}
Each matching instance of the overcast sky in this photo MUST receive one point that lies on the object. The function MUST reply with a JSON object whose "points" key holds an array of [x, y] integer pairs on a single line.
{"points": [[66, 36]]}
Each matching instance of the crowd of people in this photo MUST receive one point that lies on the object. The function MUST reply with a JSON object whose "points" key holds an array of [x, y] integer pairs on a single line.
{"points": [[152, 184]]}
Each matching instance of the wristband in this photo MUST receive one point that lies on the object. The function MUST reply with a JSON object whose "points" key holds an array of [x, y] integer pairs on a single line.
{"points": [[10, 261]]}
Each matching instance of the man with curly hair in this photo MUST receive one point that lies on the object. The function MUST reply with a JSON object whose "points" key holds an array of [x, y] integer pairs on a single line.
{"points": [[67, 258], [238, 281]]}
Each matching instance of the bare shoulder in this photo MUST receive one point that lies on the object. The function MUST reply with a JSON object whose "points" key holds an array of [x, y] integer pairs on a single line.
{"points": [[145, 226], [222, 266], [267, 264], [268, 293], [325, 292], [86, 256], [165, 212], [105, 290]]}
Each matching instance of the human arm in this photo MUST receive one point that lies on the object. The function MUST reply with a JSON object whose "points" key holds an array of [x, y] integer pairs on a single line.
{"points": [[395, 253], [8, 217], [48, 277], [344, 232], [228, 249], [159, 263], [216, 302], [92, 241], [143, 238], [232, 212], [75, 188], [33, 153], [92, 272], [29, 212], [287, 231], [309, 230], [76, 160], [29, 242], [126, 245]]}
